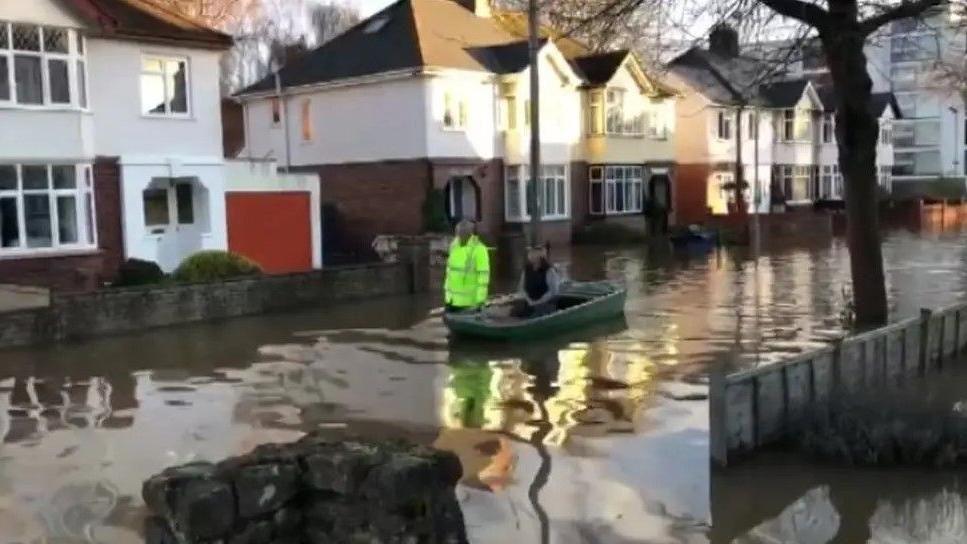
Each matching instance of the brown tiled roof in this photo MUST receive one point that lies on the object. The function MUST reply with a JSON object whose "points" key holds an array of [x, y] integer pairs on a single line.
{"points": [[408, 34], [515, 22], [148, 20]]}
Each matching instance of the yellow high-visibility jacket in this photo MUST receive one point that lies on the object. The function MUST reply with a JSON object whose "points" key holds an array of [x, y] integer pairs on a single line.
{"points": [[468, 274]]}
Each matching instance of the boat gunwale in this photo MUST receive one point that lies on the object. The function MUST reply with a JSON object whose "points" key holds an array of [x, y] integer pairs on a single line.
{"points": [[475, 321]]}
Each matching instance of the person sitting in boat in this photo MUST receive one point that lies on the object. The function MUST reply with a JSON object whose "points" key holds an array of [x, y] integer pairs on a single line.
{"points": [[540, 284], [468, 271]]}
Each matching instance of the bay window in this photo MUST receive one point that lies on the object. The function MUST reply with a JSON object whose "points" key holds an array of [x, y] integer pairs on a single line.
{"points": [[42, 66], [831, 182], [555, 188], [618, 120], [615, 190], [595, 113], [796, 125], [164, 86], [827, 128], [46, 206]]}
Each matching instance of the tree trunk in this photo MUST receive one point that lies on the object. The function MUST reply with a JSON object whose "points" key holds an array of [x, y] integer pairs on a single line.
{"points": [[857, 131]]}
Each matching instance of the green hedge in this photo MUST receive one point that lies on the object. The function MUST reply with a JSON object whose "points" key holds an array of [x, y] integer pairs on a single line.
{"points": [[212, 266]]}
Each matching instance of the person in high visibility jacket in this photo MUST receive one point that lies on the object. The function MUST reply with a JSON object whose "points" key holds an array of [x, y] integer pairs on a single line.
{"points": [[468, 271]]}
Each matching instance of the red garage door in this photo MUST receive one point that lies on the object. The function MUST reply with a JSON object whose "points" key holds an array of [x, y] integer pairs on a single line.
{"points": [[272, 229]]}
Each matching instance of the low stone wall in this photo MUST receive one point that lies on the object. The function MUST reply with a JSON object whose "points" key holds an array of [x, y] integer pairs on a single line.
{"points": [[752, 409], [113, 311], [315, 490]]}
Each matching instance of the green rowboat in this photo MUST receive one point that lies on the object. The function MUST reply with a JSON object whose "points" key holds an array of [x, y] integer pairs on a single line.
{"points": [[578, 304]]}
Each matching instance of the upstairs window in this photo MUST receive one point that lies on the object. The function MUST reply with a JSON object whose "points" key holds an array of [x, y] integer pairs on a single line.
{"points": [[164, 86], [752, 122], [724, 125], [618, 120], [796, 125], [307, 120], [596, 113], [454, 111], [42, 66], [828, 128], [276, 112]]}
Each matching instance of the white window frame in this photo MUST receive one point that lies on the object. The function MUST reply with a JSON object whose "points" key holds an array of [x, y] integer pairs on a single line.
{"points": [[74, 58], [753, 128], [454, 120], [83, 190], [596, 115], [724, 125], [793, 120], [607, 177], [829, 128], [165, 58], [559, 174], [617, 121]]}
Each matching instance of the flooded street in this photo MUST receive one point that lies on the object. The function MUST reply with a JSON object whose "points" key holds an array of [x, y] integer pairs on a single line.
{"points": [[600, 436]]}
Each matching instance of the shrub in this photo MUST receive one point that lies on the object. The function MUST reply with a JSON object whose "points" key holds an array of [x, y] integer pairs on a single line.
{"points": [[134, 272], [211, 266]]}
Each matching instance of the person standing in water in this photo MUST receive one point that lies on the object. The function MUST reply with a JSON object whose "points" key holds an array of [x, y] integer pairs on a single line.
{"points": [[468, 271], [539, 286]]}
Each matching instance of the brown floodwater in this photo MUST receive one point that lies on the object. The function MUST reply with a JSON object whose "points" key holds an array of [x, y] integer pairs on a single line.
{"points": [[596, 436]]}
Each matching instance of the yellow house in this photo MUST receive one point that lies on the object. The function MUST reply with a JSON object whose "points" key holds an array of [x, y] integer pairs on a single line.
{"points": [[626, 158]]}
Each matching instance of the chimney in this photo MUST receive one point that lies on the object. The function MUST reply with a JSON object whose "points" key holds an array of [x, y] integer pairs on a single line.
{"points": [[723, 40], [480, 8]]}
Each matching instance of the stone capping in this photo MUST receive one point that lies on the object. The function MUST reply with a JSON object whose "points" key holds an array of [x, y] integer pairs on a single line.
{"points": [[317, 489], [132, 309], [751, 409]]}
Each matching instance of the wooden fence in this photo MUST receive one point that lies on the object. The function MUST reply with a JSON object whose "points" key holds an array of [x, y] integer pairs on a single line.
{"points": [[755, 408]]}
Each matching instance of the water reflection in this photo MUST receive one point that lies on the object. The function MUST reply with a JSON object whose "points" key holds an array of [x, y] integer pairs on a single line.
{"points": [[600, 436]]}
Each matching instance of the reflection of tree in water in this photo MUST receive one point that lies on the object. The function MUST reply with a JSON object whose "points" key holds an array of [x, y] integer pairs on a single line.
{"points": [[940, 519]]}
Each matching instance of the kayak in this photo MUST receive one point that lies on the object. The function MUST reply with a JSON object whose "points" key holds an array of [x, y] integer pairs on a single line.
{"points": [[579, 303]]}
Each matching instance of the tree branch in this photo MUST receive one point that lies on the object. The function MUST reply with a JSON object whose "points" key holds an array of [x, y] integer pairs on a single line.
{"points": [[903, 11], [810, 14]]}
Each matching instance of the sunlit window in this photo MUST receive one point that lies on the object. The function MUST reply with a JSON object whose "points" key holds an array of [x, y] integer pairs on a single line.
{"points": [[41, 66], [164, 86]]}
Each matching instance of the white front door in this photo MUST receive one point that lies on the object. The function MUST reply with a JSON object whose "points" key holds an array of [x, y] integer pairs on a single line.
{"points": [[172, 214]]}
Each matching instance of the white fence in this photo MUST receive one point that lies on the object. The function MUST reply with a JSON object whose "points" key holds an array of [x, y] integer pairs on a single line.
{"points": [[755, 408]]}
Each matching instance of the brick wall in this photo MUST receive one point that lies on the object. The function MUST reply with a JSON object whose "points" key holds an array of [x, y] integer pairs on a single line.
{"points": [[107, 202], [112, 311], [373, 198], [78, 272]]}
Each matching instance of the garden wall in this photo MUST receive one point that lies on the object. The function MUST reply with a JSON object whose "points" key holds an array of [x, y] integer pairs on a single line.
{"points": [[113, 311], [752, 409]]}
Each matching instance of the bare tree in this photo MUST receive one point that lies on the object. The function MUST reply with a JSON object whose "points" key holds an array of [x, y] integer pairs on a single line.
{"points": [[843, 27], [267, 33]]}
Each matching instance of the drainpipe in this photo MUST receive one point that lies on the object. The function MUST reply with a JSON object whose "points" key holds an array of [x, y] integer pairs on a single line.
{"points": [[285, 118], [956, 149]]}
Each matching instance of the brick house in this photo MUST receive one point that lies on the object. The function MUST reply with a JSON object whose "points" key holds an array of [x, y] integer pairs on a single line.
{"points": [[433, 95], [111, 140], [736, 103]]}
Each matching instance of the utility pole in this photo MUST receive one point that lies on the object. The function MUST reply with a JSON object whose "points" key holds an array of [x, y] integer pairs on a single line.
{"points": [[534, 192]]}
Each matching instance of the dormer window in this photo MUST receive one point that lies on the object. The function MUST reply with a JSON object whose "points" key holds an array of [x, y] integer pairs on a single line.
{"points": [[42, 66]]}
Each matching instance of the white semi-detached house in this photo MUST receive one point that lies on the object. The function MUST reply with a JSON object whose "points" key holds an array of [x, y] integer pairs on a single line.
{"points": [[912, 59], [783, 125], [433, 95], [110, 139]]}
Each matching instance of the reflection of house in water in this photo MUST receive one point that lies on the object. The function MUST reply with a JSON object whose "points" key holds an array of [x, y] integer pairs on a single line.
{"points": [[939, 519]]}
